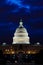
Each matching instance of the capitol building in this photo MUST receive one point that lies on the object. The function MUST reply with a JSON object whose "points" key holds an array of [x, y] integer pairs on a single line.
{"points": [[21, 43], [21, 35]]}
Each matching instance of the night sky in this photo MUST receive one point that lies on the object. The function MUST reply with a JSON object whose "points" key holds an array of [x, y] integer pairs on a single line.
{"points": [[30, 11]]}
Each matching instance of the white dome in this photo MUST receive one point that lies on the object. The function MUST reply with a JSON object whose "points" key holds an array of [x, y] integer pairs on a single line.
{"points": [[21, 35], [21, 29]]}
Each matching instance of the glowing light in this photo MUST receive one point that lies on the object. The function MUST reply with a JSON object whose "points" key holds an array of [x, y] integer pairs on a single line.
{"points": [[15, 61], [38, 43], [33, 52], [6, 50], [12, 52], [4, 44], [29, 52]]}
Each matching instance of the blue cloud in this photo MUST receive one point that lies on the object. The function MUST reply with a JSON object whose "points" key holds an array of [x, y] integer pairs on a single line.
{"points": [[20, 5], [17, 2], [37, 7]]}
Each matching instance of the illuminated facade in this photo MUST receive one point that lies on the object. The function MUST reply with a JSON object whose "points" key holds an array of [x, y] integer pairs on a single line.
{"points": [[21, 43], [21, 35]]}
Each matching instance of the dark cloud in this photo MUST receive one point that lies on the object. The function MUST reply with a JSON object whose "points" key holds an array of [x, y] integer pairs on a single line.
{"points": [[31, 11]]}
